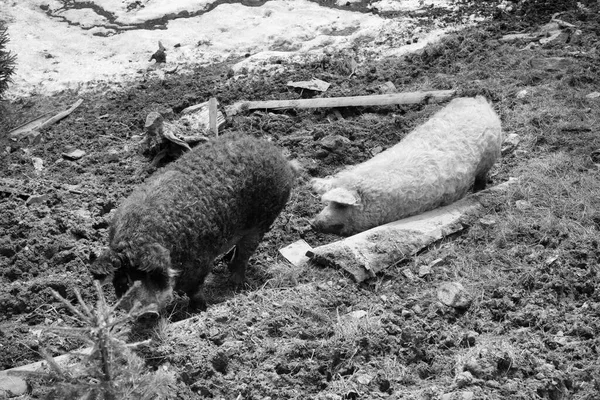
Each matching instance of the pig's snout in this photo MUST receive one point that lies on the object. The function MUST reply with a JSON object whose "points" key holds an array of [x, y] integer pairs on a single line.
{"points": [[321, 225]]}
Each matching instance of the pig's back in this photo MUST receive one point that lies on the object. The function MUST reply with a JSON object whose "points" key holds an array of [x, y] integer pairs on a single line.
{"points": [[435, 164]]}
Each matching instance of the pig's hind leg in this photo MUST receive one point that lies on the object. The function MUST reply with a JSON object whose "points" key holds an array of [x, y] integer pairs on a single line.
{"points": [[244, 249]]}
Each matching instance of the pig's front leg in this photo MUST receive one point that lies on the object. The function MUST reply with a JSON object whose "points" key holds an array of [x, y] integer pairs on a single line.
{"points": [[244, 249], [193, 282]]}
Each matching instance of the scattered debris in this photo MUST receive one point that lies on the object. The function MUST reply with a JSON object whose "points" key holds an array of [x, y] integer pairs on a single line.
{"points": [[73, 188], [42, 122], [387, 87], [196, 119], [487, 221], [595, 157], [551, 63], [469, 339], [295, 253], [364, 379], [159, 56], [369, 252], [314, 84], [38, 163], [352, 101], [23, 130], [593, 95], [354, 315], [212, 116], [334, 142], [408, 274], [171, 70], [37, 199], [523, 205], [511, 37], [551, 260], [74, 154], [547, 33], [521, 94], [453, 294], [425, 270]]}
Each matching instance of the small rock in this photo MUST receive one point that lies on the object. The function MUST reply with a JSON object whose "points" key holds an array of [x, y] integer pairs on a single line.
{"points": [[593, 95], [376, 150], [487, 221], [522, 93], [469, 339], [74, 154], [550, 261], [523, 205], [492, 383], [334, 142], [12, 386], [465, 378], [364, 379], [408, 274], [38, 163], [453, 294], [358, 314], [510, 143], [83, 213], [468, 396], [387, 87], [112, 155], [424, 270], [447, 396]]}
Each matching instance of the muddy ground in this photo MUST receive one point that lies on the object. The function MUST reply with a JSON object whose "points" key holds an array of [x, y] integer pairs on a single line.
{"points": [[531, 265]]}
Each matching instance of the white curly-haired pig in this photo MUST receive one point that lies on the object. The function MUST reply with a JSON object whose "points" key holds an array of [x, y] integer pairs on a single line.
{"points": [[434, 165]]}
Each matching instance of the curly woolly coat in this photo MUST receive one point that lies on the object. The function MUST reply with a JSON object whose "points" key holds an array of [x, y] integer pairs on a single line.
{"points": [[168, 232], [434, 165]]}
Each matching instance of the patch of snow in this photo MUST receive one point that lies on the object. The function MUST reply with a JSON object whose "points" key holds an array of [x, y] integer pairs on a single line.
{"points": [[408, 5], [62, 52]]}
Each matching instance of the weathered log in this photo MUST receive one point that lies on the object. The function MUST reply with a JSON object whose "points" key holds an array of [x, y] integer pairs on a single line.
{"points": [[369, 252]]}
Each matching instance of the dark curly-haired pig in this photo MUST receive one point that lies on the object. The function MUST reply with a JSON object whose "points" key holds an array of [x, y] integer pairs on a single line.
{"points": [[168, 232]]}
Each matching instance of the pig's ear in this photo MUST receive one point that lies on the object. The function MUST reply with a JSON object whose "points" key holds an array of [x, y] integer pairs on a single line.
{"points": [[321, 185], [342, 196], [105, 265], [153, 257]]}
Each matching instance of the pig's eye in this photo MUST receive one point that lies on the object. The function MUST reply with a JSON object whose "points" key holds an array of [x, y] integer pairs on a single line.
{"points": [[339, 206], [159, 279], [122, 282]]}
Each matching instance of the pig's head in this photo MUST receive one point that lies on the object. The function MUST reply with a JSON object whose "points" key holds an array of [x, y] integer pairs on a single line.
{"points": [[150, 264], [341, 213]]}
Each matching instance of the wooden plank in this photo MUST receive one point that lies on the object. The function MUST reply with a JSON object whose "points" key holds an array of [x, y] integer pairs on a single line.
{"points": [[352, 101]]}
